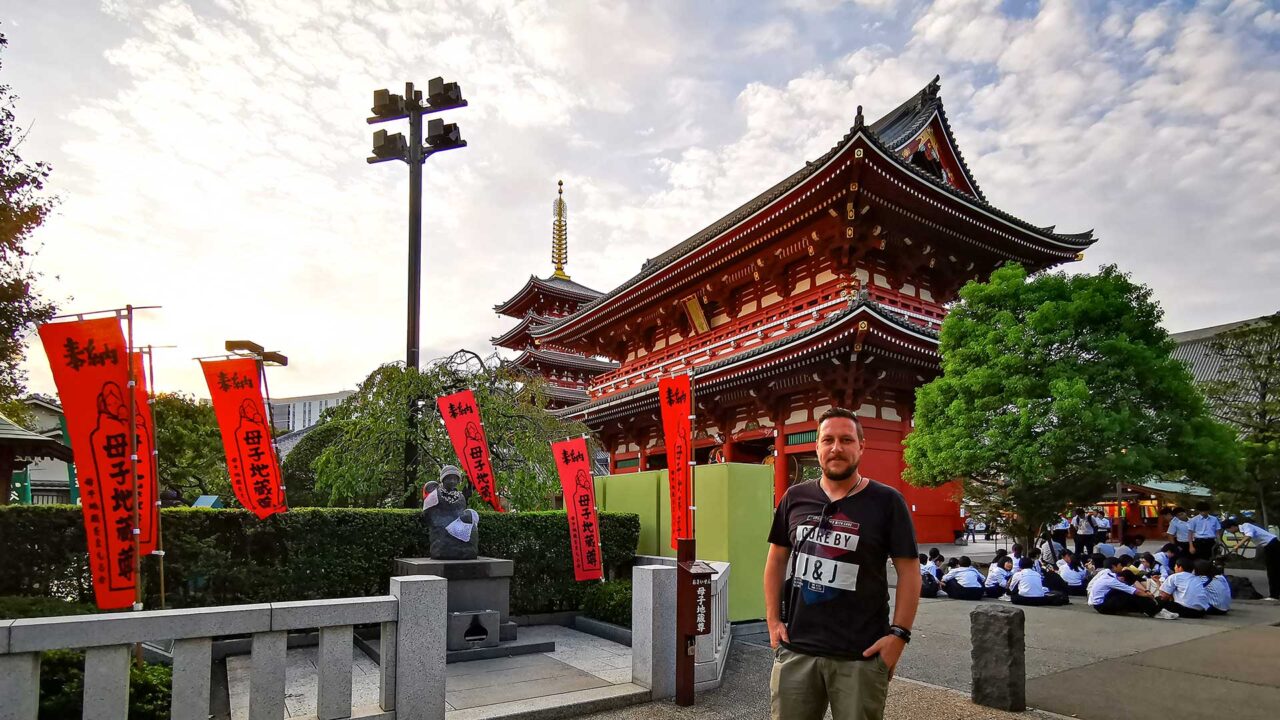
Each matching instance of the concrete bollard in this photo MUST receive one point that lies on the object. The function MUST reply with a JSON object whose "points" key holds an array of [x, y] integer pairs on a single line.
{"points": [[998, 635], [420, 646]]}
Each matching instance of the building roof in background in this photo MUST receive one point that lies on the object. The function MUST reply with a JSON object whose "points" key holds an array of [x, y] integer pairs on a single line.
{"points": [[25, 443], [1195, 347]]}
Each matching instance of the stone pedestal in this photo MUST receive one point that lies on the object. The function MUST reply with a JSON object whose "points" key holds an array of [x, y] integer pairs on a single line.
{"points": [[998, 635], [480, 587]]}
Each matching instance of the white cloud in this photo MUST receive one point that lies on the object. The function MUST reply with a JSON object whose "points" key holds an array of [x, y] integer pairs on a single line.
{"points": [[224, 178]]}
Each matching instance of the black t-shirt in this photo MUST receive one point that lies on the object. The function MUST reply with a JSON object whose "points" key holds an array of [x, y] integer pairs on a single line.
{"points": [[838, 602]]}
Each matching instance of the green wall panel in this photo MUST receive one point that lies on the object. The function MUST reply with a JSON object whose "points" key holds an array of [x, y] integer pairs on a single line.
{"points": [[734, 511]]}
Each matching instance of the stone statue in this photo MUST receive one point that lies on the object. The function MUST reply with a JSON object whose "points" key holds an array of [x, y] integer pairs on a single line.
{"points": [[451, 525]]}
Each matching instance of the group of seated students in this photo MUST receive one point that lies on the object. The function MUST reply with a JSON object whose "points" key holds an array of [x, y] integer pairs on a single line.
{"points": [[1166, 584]]}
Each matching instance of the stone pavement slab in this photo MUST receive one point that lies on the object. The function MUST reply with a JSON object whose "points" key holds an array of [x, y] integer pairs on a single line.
{"points": [[1237, 672], [492, 685]]}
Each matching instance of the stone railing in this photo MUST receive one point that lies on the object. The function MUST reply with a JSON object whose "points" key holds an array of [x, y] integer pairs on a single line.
{"points": [[653, 634], [411, 685], [713, 650]]}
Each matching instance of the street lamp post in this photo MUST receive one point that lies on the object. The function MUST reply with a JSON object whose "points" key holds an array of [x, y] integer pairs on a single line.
{"points": [[440, 137]]}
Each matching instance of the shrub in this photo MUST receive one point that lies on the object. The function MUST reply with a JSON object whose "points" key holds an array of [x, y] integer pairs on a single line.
{"points": [[62, 687], [15, 608], [609, 601], [223, 557]]}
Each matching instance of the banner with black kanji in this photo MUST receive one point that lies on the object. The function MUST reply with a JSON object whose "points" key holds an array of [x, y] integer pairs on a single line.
{"points": [[89, 363], [574, 466], [236, 389], [461, 415], [675, 397]]}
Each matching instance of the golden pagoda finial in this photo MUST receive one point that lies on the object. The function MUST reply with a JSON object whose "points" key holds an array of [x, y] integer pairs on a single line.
{"points": [[560, 234]]}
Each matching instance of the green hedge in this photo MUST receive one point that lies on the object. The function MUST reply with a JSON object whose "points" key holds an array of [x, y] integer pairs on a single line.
{"points": [[609, 601], [223, 557]]}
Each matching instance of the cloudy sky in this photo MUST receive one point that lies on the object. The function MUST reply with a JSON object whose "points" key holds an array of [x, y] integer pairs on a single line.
{"points": [[210, 153]]}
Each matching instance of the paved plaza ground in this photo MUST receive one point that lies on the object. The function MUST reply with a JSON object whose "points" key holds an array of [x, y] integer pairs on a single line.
{"points": [[1079, 664]]}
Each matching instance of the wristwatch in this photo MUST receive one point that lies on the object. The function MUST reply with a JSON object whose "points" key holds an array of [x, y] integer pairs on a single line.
{"points": [[900, 632]]}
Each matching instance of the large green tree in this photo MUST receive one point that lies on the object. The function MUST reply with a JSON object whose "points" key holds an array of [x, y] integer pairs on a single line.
{"points": [[24, 205], [1053, 389], [191, 459], [1245, 394], [364, 464]]}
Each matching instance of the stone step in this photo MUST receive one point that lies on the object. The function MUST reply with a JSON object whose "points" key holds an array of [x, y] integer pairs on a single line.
{"points": [[553, 707]]}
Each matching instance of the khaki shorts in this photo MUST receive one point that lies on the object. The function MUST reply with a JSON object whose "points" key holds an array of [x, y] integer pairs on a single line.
{"points": [[801, 686]]}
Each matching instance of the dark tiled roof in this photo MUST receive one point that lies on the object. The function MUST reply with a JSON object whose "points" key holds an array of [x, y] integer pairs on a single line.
{"points": [[862, 300], [909, 118], [553, 284], [553, 357], [25, 443], [896, 124], [1195, 348]]}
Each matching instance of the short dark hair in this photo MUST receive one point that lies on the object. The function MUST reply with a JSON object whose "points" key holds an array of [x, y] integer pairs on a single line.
{"points": [[923, 558], [1026, 564], [1202, 507], [965, 561], [1231, 522], [1114, 562], [1185, 562], [1126, 559], [839, 412], [1205, 568]]}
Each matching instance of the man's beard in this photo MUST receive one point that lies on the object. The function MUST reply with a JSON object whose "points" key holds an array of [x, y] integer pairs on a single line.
{"points": [[842, 475]]}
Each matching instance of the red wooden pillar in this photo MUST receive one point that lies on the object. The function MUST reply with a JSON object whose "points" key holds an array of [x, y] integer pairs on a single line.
{"points": [[728, 449], [780, 474], [643, 463]]}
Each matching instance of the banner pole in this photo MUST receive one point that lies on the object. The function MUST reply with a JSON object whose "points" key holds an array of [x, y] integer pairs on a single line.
{"points": [[133, 464], [155, 453], [271, 430]]}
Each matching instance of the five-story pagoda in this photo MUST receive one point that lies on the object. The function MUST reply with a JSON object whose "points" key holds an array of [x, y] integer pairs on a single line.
{"points": [[545, 300]]}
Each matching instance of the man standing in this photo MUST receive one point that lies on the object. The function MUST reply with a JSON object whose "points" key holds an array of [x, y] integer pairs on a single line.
{"points": [[1268, 550], [1083, 526], [1179, 531], [826, 587], [1205, 531]]}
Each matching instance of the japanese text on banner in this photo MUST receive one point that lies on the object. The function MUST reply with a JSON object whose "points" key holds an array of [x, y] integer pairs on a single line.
{"points": [[89, 363], [235, 388], [574, 466], [675, 396], [462, 421]]}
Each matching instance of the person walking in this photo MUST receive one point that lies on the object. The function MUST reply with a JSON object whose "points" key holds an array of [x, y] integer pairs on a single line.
{"points": [[1268, 551], [826, 586]]}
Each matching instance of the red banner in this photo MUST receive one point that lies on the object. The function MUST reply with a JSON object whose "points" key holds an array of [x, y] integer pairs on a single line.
{"points": [[235, 387], [89, 362], [148, 475], [462, 421], [574, 465], [675, 396]]}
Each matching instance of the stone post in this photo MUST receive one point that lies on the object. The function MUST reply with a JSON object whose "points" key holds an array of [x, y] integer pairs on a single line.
{"points": [[998, 635], [653, 629], [420, 646]]}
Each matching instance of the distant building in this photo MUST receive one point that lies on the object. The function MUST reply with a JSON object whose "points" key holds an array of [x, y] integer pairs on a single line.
{"points": [[1195, 348], [50, 480], [299, 413]]}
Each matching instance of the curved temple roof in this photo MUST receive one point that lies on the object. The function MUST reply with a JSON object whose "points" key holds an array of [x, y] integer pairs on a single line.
{"points": [[888, 134], [552, 285]]}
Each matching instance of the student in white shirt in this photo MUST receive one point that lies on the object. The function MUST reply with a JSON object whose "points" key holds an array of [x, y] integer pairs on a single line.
{"points": [[1106, 549], [1182, 593], [928, 580], [1026, 587], [1103, 524], [1205, 531], [1268, 551], [1179, 531], [964, 582], [1073, 574], [1216, 588], [1085, 530], [998, 576], [1112, 592], [1167, 555]]}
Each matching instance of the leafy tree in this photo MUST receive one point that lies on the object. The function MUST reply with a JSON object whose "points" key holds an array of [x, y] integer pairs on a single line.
{"points": [[298, 467], [191, 459], [1053, 389], [1245, 394], [23, 208], [364, 465]]}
